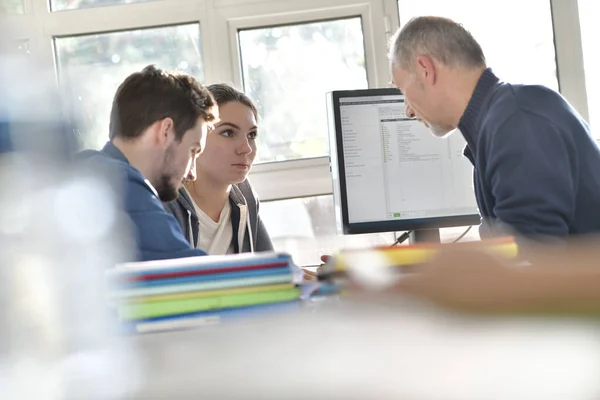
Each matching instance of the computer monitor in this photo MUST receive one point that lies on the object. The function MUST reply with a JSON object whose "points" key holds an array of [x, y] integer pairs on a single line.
{"points": [[390, 174]]}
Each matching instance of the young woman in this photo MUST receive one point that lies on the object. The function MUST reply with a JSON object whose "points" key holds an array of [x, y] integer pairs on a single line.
{"points": [[218, 212]]}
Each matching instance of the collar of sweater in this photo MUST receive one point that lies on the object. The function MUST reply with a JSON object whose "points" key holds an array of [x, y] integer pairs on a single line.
{"points": [[469, 122]]}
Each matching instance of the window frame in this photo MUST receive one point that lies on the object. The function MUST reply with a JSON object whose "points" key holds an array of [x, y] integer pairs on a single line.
{"points": [[117, 18], [569, 54], [236, 25], [219, 22], [360, 11], [308, 176]]}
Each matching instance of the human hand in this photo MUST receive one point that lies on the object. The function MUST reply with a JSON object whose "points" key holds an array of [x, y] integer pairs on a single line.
{"points": [[469, 280], [312, 273], [309, 274]]}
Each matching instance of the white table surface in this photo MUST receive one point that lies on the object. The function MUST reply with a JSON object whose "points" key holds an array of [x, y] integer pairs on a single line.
{"points": [[390, 350]]}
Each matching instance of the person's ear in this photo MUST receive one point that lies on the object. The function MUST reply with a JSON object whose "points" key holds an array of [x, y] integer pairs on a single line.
{"points": [[426, 69], [165, 133]]}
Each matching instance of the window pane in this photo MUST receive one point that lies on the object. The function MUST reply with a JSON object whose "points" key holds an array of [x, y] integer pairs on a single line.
{"points": [[516, 35], [288, 70], [308, 229], [91, 68], [589, 12], [61, 5], [12, 7]]}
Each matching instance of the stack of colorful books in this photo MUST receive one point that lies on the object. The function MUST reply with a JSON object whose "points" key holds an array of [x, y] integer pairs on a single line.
{"points": [[190, 292]]}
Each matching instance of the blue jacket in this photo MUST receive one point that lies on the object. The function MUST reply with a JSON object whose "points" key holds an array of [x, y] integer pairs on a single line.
{"points": [[536, 167], [157, 233]]}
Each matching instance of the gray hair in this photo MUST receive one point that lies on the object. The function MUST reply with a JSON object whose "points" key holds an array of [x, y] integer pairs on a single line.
{"points": [[440, 38]]}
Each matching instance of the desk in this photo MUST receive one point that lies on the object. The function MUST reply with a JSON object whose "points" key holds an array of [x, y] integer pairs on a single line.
{"points": [[392, 350]]}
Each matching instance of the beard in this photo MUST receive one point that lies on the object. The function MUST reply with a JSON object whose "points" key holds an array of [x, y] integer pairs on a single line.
{"points": [[167, 185], [166, 190]]}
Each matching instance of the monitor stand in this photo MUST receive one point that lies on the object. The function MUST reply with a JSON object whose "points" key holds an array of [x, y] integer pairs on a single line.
{"points": [[424, 236]]}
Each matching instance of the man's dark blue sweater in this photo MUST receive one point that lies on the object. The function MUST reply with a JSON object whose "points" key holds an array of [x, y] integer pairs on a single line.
{"points": [[537, 169]]}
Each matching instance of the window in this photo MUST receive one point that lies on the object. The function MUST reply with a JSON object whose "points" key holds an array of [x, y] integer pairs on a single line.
{"points": [[285, 54], [61, 5], [516, 35], [308, 229], [91, 67], [12, 7], [589, 12], [288, 70]]}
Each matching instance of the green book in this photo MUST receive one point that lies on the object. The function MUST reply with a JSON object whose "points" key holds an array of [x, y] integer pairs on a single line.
{"points": [[157, 309]]}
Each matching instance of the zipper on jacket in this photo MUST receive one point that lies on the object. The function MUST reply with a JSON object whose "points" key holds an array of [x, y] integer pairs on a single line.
{"points": [[190, 230]]}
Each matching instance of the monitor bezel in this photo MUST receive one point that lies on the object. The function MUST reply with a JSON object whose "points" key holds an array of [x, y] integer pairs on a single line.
{"points": [[384, 225]]}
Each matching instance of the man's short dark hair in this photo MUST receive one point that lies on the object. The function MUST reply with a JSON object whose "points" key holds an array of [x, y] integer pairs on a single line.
{"points": [[154, 94]]}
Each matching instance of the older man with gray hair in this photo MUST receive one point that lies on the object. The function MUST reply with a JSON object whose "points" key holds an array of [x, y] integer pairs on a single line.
{"points": [[536, 166]]}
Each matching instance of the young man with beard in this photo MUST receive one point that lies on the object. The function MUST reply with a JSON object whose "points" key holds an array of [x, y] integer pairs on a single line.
{"points": [[158, 126]]}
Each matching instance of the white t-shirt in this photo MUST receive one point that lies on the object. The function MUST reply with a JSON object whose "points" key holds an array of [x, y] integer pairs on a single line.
{"points": [[216, 238]]}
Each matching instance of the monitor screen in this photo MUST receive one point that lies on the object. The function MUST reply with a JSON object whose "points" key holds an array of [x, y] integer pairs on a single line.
{"points": [[389, 172]]}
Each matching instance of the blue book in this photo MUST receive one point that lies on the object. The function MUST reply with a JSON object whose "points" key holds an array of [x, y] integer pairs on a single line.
{"points": [[206, 318]]}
